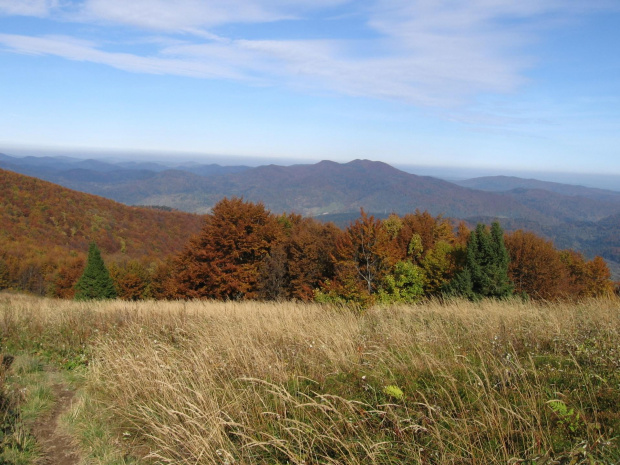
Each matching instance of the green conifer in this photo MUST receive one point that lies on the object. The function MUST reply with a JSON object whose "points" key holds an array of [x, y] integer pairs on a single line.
{"points": [[95, 282], [501, 286], [486, 266], [460, 286]]}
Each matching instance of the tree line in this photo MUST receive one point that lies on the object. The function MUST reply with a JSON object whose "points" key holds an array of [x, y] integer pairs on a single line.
{"points": [[246, 252]]}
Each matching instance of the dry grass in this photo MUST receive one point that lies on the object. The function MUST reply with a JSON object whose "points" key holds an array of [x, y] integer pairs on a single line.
{"points": [[254, 383]]}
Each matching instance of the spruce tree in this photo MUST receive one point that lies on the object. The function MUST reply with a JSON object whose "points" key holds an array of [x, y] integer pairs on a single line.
{"points": [[486, 266], [501, 286], [95, 282]]}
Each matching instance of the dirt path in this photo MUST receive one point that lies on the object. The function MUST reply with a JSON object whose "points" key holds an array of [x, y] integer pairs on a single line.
{"points": [[57, 448]]}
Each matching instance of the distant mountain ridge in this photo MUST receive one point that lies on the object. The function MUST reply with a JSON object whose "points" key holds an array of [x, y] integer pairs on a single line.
{"points": [[64, 170], [323, 188], [573, 216], [509, 183]]}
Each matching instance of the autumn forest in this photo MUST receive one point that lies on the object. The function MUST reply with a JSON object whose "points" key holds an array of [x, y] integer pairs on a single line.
{"points": [[242, 251]]}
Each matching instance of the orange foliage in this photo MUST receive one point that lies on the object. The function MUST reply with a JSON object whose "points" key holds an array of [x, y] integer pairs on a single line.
{"points": [[535, 267], [364, 254], [310, 249], [162, 282], [67, 275], [542, 272], [223, 261], [599, 279], [131, 279], [430, 230], [46, 229]]}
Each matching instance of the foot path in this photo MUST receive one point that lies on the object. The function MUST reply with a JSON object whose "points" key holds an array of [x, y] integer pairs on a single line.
{"points": [[57, 448]]}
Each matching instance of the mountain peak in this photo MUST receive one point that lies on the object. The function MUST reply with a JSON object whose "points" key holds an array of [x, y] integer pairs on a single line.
{"points": [[375, 167], [365, 162], [327, 163]]}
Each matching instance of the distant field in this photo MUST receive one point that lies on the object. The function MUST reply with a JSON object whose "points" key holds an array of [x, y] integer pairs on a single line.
{"points": [[289, 383]]}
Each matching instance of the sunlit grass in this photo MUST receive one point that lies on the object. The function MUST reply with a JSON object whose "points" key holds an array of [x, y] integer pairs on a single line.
{"points": [[27, 395], [225, 382]]}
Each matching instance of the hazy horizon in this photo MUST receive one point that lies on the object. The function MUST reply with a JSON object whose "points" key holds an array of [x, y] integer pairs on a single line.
{"points": [[448, 173]]}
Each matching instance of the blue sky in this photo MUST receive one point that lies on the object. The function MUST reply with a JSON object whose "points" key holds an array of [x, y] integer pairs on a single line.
{"points": [[530, 85]]}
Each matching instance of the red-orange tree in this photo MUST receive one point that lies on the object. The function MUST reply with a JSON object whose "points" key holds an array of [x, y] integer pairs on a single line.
{"points": [[425, 231], [364, 255], [535, 267], [542, 272], [310, 256], [599, 282], [223, 261], [586, 278], [302, 261], [131, 279]]}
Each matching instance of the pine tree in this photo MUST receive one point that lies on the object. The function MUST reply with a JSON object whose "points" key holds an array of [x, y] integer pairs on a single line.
{"points": [[95, 282]]}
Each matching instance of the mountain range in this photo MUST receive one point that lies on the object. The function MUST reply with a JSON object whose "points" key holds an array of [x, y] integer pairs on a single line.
{"points": [[582, 218]]}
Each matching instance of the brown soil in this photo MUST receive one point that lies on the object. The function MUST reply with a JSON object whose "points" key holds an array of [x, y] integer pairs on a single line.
{"points": [[57, 448]]}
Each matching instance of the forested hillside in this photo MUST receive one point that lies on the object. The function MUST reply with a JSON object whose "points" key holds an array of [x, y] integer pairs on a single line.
{"points": [[46, 230], [242, 251]]}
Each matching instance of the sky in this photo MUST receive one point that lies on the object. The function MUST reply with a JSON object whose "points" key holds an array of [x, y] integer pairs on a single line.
{"points": [[529, 85]]}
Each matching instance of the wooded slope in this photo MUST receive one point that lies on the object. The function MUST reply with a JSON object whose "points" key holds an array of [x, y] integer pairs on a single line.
{"points": [[43, 225]]}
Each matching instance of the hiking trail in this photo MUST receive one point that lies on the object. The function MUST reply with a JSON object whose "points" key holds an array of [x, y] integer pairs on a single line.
{"points": [[57, 447]]}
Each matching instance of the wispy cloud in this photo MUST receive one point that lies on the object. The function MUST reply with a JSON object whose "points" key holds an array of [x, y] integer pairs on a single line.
{"points": [[27, 7], [191, 14], [424, 52], [79, 50]]}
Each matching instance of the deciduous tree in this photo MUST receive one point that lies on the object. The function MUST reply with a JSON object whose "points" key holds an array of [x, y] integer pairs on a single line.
{"points": [[599, 279], [223, 261], [535, 267], [364, 254], [439, 265], [131, 280], [404, 285], [67, 275], [425, 230]]}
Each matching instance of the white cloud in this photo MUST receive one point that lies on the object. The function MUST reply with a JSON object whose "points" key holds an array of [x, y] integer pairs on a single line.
{"points": [[424, 52], [27, 7], [191, 14], [69, 48]]}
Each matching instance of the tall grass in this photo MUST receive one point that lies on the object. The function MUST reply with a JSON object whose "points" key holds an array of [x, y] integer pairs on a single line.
{"points": [[254, 383]]}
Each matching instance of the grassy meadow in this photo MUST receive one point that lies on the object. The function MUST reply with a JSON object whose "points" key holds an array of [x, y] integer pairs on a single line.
{"points": [[289, 383]]}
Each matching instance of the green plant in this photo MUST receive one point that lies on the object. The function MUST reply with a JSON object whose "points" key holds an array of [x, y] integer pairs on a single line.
{"points": [[95, 282], [567, 417], [486, 266], [394, 391]]}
